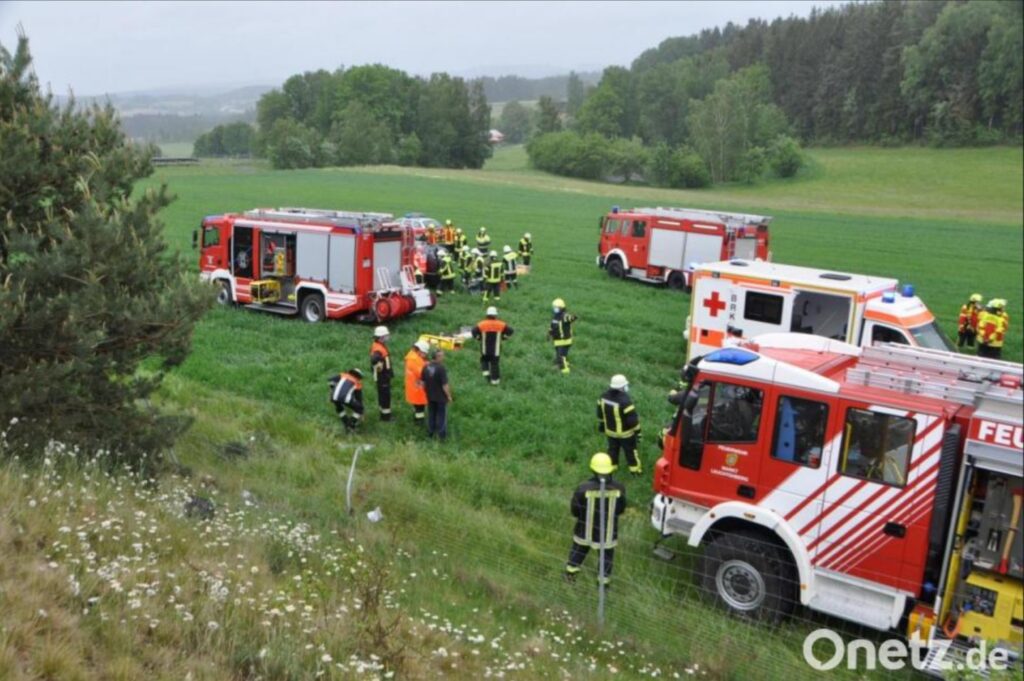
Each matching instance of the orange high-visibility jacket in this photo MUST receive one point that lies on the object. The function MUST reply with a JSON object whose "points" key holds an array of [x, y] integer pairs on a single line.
{"points": [[968, 317], [414, 392]]}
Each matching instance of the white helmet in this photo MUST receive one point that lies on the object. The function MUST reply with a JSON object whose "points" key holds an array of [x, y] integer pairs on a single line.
{"points": [[527, 235], [506, 249], [494, 254], [380, 332], [492, 311], [422, 345], [442, 252], [618, 382], [476, 251]]}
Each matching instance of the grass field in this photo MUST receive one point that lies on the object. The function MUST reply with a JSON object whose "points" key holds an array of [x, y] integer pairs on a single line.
{"points": [[176, 149], [483, 521]]}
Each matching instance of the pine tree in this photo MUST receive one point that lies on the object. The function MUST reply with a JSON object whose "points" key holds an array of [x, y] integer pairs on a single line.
{"points": [[88, 287]]}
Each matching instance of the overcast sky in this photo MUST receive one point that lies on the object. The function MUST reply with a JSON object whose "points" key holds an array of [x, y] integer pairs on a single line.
{"points": [[98, 48]]}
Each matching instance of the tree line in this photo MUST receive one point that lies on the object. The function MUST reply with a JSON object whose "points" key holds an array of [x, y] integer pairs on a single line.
{"points": [[517, 88], [740, 99], [372, 114]]}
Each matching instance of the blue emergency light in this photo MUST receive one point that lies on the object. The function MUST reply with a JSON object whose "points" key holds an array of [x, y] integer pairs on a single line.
{"points": [[737, 356], [615, 209], [889, 297], [908, 290]]}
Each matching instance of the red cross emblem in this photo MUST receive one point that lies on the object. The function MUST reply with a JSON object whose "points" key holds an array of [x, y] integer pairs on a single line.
{"points": [[714, 304]]}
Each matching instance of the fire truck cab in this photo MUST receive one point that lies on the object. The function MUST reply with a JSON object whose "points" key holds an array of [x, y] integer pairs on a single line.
{"points": [[880, 485], [755, 298], [311, 262], [664, 245]]}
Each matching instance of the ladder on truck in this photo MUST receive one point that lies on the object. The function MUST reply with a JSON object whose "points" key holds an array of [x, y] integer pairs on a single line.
{"points": [[985, 383], [337, 218], [697, 215]]}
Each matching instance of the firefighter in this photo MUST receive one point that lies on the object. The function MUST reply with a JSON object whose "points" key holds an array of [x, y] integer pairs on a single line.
{"points": [[591, 508], [415, 395], [478, 264], [431, 235], [526, 249], [466, 265], [560, 333], [493, 278], [460, 239], [446, 270], [483, 239], [992, 325], [511, 274], [490, 332], [448, 234], [347, 396], [380, 363], [618, 420], [967, 324]]}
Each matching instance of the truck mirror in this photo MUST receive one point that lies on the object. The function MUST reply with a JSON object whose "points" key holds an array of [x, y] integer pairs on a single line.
{"points": [[690, 402], [195, 239]]}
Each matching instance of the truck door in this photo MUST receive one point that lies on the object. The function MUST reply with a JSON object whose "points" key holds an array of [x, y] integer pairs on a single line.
{"points": [[719, 443], [241, 252], [879, 500], [214, 247], [634, 243], [806, 434], [609, 234]]}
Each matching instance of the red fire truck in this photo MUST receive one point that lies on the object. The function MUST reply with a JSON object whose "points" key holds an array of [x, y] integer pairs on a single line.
{"points": [[882, 485], [665, 245], [312, 262]]}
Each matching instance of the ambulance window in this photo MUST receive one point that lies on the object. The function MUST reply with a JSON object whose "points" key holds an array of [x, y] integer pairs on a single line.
{"points": [[735, 413], [877, 446], [800, 431], [694, 425], [639, 228], [211, 236], [763, 307], [611, 226], [885, 334]]}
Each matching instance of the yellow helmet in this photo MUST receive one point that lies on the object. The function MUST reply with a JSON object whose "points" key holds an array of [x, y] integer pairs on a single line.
{"points": [[999, 303], [448, 223], [601, 464], [559, 303], [994, 304], [975, 298]]}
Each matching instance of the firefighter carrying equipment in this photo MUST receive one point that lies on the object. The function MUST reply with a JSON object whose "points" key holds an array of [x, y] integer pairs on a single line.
{"points": [[380, 362]]}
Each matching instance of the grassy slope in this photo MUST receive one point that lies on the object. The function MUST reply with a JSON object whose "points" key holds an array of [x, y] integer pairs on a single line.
{"points": [[495, 499]]}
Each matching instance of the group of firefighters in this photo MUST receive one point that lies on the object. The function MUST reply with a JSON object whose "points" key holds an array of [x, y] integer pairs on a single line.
{"points": [[985, 326], [480, 268]]}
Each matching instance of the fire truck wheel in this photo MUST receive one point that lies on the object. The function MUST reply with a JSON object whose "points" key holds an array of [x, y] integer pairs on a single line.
{"points": [[224, 293], [676, 281], [313, 308], [615, 268], [749, 576]]}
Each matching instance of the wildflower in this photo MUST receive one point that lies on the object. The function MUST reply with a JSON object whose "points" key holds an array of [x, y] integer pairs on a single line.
{"points": [[326, 658], [212, 626]]}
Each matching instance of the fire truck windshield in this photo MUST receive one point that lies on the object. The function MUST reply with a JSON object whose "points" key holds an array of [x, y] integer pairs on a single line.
{"points": [[930, 336]]}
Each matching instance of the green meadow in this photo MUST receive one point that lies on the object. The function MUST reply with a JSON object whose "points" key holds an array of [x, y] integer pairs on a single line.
{"points": [[483, 520]]}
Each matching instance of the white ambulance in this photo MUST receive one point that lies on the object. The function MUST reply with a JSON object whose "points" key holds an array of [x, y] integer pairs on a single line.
{"points": [[754, 297]]}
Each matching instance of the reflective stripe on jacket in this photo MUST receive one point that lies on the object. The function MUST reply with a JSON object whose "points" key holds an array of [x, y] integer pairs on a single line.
{"points": [[616, 414], [380, 361], [561, 328], [586, 507]]}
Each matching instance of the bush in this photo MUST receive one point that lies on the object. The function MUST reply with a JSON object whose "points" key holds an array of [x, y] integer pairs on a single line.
{"points": [[292, 145], [785, 156], [628, 158], [752, 165], [677, 168], [568, 153]]}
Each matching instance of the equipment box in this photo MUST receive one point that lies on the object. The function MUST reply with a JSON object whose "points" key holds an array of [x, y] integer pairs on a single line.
{"points": [[265, 291]]}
